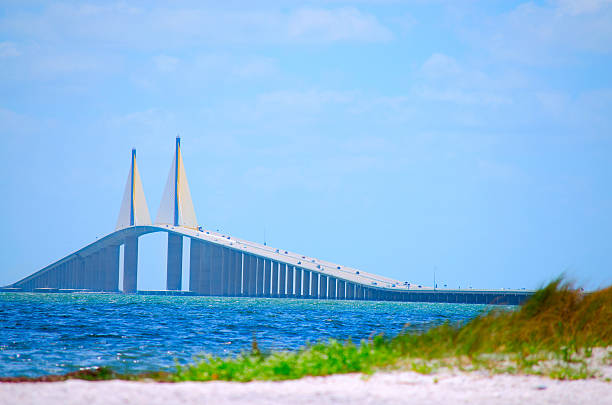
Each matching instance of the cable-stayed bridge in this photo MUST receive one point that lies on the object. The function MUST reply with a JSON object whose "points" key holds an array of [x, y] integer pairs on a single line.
{"points": [[222, 265]]}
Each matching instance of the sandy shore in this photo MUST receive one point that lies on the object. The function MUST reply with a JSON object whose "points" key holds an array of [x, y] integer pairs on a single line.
{"points": [[381, 388]]}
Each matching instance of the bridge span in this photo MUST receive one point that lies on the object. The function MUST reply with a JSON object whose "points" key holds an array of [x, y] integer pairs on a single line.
{"points": [[222, 265]]}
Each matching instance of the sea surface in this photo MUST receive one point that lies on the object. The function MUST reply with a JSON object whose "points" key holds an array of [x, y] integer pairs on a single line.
{"points": [[57, 333]]}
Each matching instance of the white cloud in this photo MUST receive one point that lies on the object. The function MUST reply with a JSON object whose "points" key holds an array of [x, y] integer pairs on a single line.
{"points": [[310, 99], [336, 25], [8, 50], [165, 63], [458, 96], [152, 120], [533, 34], [576, 7], [446, 80], [440, 65], [258, 67], [160, 28]]}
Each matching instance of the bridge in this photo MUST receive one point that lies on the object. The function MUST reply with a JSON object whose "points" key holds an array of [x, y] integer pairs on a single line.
{"points": [[222, 265]]}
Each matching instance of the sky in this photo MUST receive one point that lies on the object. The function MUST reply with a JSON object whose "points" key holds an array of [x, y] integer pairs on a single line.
{"points": [[470, 139]]}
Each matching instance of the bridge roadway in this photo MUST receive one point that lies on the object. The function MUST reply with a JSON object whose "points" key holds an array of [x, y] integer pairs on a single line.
{"points": [[222, 265]]}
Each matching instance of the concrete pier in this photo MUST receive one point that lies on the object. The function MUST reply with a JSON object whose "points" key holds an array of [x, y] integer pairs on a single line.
{"points": [[226, 274], [274, 291], [252, 275], [298, 281], [306, 284], [111, 269], [290, 280], [358, 292], [322, 286], [331, 293], [282, 280], [175, 262], [130, 265], [260, 277], [216, 268], [267, 278], [341, 289], [245, 275], [206, 272], [237, 274], [195, 254], [314, 285]]}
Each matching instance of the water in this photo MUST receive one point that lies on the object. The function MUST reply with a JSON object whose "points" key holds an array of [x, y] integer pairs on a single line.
{"points": [[58, 333]]}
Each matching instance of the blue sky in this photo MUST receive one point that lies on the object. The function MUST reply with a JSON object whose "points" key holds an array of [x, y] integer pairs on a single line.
{"points": [[471, 138]]}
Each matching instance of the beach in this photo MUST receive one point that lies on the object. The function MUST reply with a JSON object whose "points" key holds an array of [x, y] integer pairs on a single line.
{"points": [[403, 387]]}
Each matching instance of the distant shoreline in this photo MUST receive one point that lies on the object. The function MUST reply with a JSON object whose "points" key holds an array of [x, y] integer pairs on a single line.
{"points": [[468, 296]]}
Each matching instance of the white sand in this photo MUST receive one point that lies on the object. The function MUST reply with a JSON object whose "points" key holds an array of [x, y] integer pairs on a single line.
{"points": [[382, 388]]}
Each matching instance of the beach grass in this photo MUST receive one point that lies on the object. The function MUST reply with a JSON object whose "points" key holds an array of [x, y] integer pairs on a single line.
{"points": [[553, 333]]}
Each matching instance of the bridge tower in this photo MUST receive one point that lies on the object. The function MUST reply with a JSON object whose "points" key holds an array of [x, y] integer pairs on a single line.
{"points": [[176, 209], [133, 212]]}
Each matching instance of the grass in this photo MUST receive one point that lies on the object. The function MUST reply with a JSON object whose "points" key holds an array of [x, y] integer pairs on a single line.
{"points": [[552, 334]]}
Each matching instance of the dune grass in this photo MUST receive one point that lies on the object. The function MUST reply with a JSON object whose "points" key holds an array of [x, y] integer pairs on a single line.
{"points": [[558, 324], [552, 334]]}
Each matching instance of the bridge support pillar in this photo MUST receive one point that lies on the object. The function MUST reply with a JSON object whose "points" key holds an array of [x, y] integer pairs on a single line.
{"points": [[229, 263], [358, 292], [323, 286], [250, 268], [331, 293], [175, 262], [94, 271], [245, 275], [237, 273], [195, 255], [111, 268], [306, 284], [216, 270], [350, 291], [298, 282], [274, 288], [226, 274], [314, 284], [205, 268], [267, 274], [282, 280], [260, 277], [341, 289], [290, 292], [86, 271], [130, 264]]}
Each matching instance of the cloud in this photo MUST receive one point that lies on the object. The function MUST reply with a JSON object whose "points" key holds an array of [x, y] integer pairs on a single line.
{"points": [[8, 50], [336, 25], [176, 27], [446, 80], [258, 67], [577, 7], [309, 99], [438, 65], [152, 120], [165, 63], [534, 35], [462, 97]]}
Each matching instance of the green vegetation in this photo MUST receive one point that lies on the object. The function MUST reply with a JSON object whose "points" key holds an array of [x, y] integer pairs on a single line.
{"points": [[553, 334]]}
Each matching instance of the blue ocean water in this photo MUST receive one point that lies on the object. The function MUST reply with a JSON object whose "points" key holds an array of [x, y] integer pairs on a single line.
{"points": [[58, 333]]}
